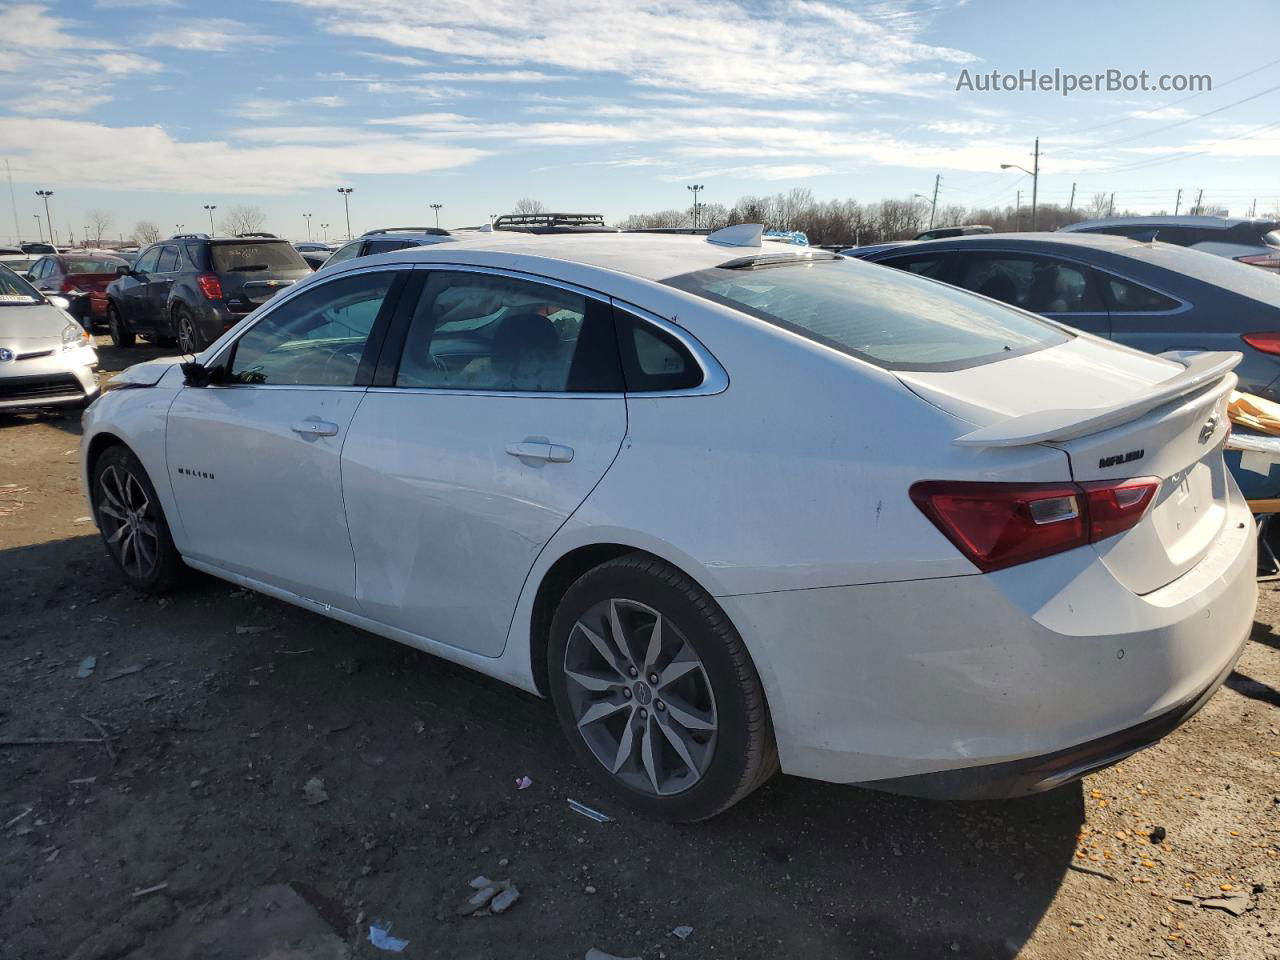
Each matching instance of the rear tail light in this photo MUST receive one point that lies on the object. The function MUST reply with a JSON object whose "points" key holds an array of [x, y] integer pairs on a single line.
{"points": [[1266, 342], [210, 286], [1269, 261], [69, 286], [998, 525]]}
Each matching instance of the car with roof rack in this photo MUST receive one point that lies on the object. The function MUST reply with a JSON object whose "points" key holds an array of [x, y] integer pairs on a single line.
{"points": [[191, 288], [731, 505]]}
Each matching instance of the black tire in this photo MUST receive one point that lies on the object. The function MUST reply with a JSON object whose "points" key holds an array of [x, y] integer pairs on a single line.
{"points": [[154, 565], [187, 331], [743, 754], [121, 335]]}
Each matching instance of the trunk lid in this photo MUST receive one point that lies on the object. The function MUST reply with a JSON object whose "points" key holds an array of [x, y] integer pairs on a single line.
{"points": [[1117, 414]]}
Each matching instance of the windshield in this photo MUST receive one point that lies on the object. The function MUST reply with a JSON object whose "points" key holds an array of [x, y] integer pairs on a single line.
{"points": [[14, 290], [885, 316], [254, 257], [91, 264]]}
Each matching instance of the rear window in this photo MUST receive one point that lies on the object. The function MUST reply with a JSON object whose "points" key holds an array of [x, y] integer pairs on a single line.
{"points": [[255, 257], [888, 317], [90, 265]]}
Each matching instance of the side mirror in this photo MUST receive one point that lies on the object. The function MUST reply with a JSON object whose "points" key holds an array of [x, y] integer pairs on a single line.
{"points": [[62, 303], [123, 270]]}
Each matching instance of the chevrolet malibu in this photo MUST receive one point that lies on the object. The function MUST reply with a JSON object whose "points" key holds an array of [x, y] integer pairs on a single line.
{"points": [[733, 506]]}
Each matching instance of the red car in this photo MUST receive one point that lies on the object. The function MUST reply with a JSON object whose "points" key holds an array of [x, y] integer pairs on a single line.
{"points": [[80, 277]]}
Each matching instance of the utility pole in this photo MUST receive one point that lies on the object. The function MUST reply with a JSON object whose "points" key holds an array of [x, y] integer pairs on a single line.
{"points": [[695, 188], [1177, 204], [13, 203], [1199, 197], [1035, 183], [1071, 204], [211, 207], [436, 207], [1253, 210], [45, 195], [1018, 214], [346, 205], [1111, 206], [307, 217], [933, 207]]}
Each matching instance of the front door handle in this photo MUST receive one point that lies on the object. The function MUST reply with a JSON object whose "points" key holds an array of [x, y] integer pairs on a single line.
{"points": [[315, 428], [533, 450]]}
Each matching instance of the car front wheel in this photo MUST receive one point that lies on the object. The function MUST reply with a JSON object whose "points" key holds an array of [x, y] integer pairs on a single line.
{"points": [[121, 335], [132, 522], [656, 692]]}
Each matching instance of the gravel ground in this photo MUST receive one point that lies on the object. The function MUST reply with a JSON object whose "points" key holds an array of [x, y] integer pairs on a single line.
{"points": [[277, 782]]}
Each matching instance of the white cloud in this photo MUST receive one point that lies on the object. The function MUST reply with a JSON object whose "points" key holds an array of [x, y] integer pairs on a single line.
{"points": [[123, 64], [94, 156], [756, 171], [206, 34], [803, 49], [964, 128]]}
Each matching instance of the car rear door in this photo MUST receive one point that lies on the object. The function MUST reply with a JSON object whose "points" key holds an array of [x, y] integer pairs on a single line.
{"points": [[496, 408], [254, 460]]}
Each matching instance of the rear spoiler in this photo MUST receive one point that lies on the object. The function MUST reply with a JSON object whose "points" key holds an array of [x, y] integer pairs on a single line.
{"points": [[1201, 370]]}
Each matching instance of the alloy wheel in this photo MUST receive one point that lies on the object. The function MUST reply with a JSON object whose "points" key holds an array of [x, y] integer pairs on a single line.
{"points": [[186, 334], [128, 520], [640, 697]]}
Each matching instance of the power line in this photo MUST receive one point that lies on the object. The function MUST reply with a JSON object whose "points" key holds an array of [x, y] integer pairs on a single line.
{"points": [[1170, 158]]}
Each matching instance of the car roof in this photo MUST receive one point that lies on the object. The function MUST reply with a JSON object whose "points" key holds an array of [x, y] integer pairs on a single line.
{"points": [[651, 256], [1203, 222], [1038, 241]]}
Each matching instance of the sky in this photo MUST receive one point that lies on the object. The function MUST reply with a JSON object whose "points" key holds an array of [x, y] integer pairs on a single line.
{"points": [[150, 109]]}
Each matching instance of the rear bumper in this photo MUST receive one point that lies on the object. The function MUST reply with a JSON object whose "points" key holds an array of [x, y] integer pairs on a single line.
{"points": [[1011, 678]]}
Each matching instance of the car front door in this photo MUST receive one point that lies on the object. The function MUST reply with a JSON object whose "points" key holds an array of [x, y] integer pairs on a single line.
{"points": [[496, 408], [133, 289], [254, 457], [1062, 290]]}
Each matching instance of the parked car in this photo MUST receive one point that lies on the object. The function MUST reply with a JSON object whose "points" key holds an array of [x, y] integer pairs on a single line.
{"points": [[1152, 296], [76, 277], [384, 241], [37, 247], [864, 252], [730, 504], [1255, 242], [314, 246], [19, 263], [192, 288], [46, 358], [939, 233]]}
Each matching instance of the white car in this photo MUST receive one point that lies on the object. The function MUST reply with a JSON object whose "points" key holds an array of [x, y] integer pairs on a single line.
{"points": [[732, 506], [46, 358]]}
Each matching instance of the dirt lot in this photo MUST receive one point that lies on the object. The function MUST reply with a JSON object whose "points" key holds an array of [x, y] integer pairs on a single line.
{"points": [[241, 701]]}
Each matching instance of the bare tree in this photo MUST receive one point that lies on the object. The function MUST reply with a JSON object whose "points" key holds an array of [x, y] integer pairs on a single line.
{"points": [[243, 219], [100, 222], [144, 232], [1098, 206], [529, 205]]}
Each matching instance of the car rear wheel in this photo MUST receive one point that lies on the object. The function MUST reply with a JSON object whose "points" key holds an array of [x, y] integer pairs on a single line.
{"points": [[132, 522], [121, 335], [656, 692], [189, 339]]}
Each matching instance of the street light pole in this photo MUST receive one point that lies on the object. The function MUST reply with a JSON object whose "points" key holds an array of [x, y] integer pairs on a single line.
{"points": [[436, 207], [307, 217], [211, 207], [695, 188], [1034, 174], [325, 228], [346, 205], [39, 227], [45, 195]]}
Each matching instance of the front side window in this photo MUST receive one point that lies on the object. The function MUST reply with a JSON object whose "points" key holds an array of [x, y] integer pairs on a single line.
{"points": [[481, 332], [147, 262], [315, 339], [1038, 284], [887, 317]]}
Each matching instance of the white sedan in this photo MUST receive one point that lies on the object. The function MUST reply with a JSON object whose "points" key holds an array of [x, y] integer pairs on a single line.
{"points": [[732, 505]]}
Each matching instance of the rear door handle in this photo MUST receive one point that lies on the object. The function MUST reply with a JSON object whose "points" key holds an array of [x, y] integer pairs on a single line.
{"points": [[315, 428], [550, 452]]}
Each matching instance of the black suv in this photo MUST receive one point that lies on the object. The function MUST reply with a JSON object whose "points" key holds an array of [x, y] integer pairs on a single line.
{"points": [[192, 287]]}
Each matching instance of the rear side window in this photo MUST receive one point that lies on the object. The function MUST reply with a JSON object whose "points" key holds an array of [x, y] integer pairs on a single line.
{"points": [[255, 257], [1038, 284], [1129, 297], [887, 317], [924, 265], [386, 246], [654, 361]]}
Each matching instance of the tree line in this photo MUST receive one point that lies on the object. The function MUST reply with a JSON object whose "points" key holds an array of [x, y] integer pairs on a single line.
{"points": [[853, 223]]}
